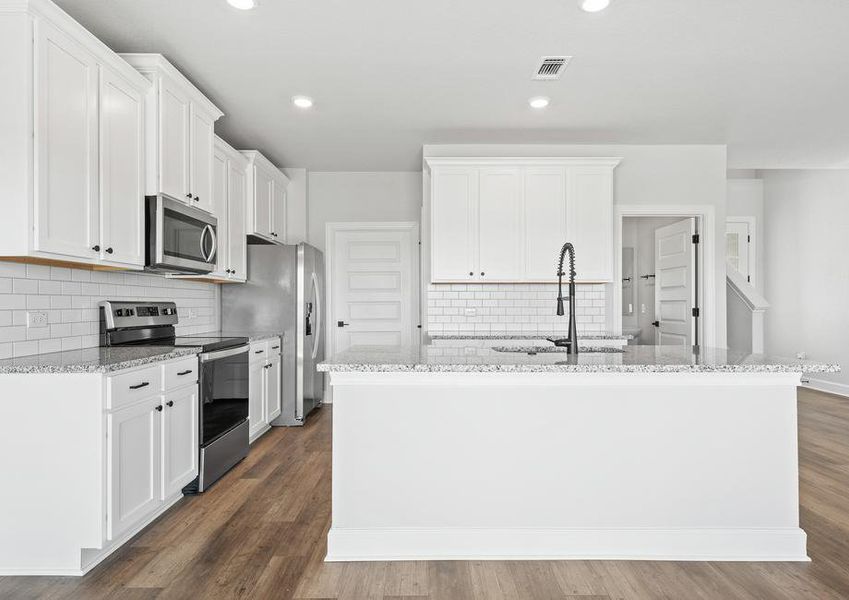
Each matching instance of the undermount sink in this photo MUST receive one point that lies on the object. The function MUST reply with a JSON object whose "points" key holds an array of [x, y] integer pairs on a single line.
{"points": [[531, 350]]}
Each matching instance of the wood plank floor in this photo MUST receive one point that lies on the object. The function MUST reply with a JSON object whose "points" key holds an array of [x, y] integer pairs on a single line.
{"points": [[260, 533]]}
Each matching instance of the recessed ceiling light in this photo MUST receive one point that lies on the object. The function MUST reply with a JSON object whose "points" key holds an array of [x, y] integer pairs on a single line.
{"points": [[539, 102], [594, 5], [242, 4], [302, 101]]}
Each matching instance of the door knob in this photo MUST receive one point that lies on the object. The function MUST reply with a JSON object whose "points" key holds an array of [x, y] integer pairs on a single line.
{"points": [[341, 324], [656, 323]]}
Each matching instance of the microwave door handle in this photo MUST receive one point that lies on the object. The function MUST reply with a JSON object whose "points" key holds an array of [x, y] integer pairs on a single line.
{"points": [[203, 243], [214, 248]]}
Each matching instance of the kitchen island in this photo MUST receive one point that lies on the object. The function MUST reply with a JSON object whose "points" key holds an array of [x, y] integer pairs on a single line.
{"points": [[653, 452]]}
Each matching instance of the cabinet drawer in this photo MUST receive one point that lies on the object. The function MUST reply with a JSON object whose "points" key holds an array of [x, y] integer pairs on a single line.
{"points": [[260, 351], [274, 347], [180, 373], [128, 387]]}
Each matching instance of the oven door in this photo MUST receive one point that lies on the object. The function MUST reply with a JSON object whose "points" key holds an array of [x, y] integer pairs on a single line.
{"points": [[180, 238], [223, 392]]}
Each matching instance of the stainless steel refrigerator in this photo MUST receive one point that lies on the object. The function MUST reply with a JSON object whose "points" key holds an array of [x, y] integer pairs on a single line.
{"points": [[284, 294]]}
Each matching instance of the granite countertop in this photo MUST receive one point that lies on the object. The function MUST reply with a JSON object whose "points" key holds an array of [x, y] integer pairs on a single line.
{"points": [[632, 359], [525, 335], [94, 360], [253, 336]]}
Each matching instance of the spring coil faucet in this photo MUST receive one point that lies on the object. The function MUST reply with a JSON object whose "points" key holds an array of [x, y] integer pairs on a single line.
{"points": [[570, 342]]}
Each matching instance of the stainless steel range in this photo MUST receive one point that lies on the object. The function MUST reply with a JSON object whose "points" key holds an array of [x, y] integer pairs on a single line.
{"points": [[223, 379]]}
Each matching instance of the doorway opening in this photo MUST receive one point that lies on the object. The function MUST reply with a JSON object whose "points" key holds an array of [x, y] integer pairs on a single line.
{"points": [[661, 279]]}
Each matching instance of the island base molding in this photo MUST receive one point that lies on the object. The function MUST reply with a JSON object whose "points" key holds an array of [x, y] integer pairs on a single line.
{"points": [[785, 545]]}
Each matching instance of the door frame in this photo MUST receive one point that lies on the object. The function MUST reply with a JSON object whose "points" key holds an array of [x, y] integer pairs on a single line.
{"points": [[752, 245], [705, 216], [331, 229]]}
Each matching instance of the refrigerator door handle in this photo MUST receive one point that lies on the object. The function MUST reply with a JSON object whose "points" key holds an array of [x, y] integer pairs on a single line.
{"points": [[318, 316]]}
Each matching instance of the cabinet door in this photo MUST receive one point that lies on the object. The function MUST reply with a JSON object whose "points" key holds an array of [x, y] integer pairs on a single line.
{"points": [[500, 225], [121, 170], [134, 464], [220, 165], [263, 194], [179, 440], [454, 198], [544, 221], [201, 150], [173, 141], [273, 386], [590, 221], [236, 235], [256, 396], [66, 206], [278, 211]]}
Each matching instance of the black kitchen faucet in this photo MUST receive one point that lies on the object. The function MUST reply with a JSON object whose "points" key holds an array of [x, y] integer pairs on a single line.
{"points": [[570, 342]]}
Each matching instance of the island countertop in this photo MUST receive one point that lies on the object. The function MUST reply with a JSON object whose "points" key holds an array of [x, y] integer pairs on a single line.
{"points": [[526, 335], [459, 358]]}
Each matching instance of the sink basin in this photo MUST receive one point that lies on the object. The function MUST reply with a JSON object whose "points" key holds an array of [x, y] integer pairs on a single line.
{"points": [[557, 349]]}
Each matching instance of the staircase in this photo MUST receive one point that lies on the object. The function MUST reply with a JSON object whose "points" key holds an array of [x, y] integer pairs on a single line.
{"points": [[745, 314]]}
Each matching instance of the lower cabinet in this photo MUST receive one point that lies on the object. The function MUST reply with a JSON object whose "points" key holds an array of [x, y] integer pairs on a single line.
{"points": [[265, 386], [179, 440]]}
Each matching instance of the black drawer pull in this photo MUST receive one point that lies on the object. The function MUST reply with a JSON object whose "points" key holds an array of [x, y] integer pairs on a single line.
{"points": [[258, 351], [275, 347], [181, 373], [159, 408], [140, 385]]}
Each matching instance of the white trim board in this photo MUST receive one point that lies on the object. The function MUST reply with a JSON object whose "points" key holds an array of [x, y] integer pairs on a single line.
{"points": [[706, 228], [829, 387]]}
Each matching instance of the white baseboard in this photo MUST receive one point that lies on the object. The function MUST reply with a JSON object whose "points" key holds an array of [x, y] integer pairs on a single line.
{"points": [[831, 387], [783, 544]]}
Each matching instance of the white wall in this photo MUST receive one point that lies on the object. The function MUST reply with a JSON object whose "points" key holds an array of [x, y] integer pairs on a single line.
{"points": [[806, 223], [746, 199], [296, 205], [70, 298], [647, 175], [352, 197]]}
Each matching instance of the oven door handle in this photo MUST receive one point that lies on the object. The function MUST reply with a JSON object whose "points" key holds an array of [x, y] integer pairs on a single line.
{"points": [[208, 356]]}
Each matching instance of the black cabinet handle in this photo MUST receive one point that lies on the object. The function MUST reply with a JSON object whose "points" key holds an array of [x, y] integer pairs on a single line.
{"points": [[341, 324], [482, 273], [159, 408], [656, 323], [258, 351], [471, 273], [181, 373], [96, 248], [233, 271], [140, 385], [197, 199], [109, 251], [189, 195], [170, 403], [275, 347]]}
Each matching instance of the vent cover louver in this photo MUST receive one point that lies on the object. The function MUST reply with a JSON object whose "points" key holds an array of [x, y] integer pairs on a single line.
{"points": [[551, 67]]}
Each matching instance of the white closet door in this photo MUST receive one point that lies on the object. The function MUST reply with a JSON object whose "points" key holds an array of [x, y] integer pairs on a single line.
{"points": [[544, 220], [500, 225], [454, 224], [66, 215]]}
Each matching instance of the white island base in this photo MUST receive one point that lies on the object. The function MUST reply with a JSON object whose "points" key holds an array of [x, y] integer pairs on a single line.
{"points": [[477, 465]]}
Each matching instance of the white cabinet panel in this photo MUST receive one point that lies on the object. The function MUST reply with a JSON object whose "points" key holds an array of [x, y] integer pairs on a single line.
{"points": [[453, 223], [590, 221], [500, 225], [133, 464], [544, 220], [263, 194], [278, 211], [202, 141], [179, 439], [66, 213], [219, 204], [256, 396], [236, 236], [121, 170], [273, 387], [173, 142]]}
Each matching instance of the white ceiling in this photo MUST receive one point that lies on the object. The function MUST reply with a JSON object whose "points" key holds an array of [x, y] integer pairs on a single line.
{"points": [[770, 78]]}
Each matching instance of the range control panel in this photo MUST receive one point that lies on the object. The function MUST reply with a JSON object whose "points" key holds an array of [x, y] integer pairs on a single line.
{"points": [[119, 314]]}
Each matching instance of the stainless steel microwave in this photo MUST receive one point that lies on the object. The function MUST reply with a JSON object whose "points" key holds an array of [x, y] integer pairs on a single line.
{"points": [[179, 238]]}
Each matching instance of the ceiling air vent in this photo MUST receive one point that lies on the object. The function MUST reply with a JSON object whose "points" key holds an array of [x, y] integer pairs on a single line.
{"points": [[551, 67]]}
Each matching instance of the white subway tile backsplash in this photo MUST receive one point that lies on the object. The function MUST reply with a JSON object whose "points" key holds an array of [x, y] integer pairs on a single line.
{"points": [[70, 297]]}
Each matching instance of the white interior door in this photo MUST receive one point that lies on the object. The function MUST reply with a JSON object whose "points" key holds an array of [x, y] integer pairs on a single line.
{"points": [[738, 247], [373, 285], [675, 283]]}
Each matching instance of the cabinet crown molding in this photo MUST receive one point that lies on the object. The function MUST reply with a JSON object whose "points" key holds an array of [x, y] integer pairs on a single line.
{"points": [[255, 157], [158, 64], [523, 161]]}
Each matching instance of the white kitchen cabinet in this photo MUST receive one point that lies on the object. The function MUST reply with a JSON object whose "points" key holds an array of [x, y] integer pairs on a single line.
{"points": [[504, 220], [544, 217], [273, 387], [264, 386], [133, 471], [75, 105], [179, 439], [257, 394], [266, 200], [453, 224], [500, 233], [179, 133]]}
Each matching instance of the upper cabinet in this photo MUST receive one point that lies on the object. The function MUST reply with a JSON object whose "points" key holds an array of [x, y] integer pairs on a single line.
{"points": [[72, 152], [266, 204], [230, 194], [502, 220], [179, 133]]}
